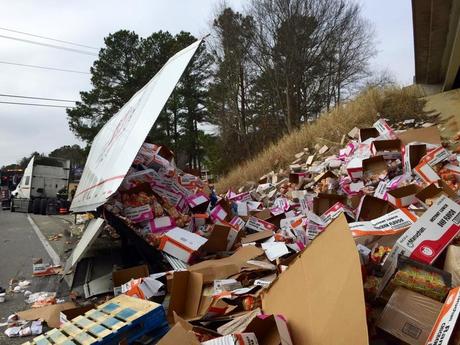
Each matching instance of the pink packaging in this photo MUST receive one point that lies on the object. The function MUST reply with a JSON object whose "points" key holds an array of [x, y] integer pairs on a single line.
{"points": [[139, 214], [218, 214]]}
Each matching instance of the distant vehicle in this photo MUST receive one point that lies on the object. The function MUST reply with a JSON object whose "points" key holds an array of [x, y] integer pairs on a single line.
{"points": [[9, 178], [43, 187], [5, 196]]}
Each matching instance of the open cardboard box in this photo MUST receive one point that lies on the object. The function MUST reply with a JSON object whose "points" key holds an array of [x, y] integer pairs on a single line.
{"points": [[270, 330], [412, 154], [366, 133], [307, 293], [123, 276], [221, 239], [374, 166], [371, 208], [324, 201], [432, 191], [389, 149], [403, 196]]}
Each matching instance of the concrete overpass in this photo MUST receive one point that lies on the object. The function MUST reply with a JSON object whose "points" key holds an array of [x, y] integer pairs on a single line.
{"points": [[437, 44]]}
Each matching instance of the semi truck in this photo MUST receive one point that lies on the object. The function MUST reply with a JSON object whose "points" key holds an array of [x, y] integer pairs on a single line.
{"points": [[43, 187]]}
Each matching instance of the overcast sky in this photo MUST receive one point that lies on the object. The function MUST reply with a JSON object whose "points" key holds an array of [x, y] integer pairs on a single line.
{"points": [[24, 129]]}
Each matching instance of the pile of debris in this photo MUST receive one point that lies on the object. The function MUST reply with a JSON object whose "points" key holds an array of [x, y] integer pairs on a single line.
{"points": [[339, 249]]}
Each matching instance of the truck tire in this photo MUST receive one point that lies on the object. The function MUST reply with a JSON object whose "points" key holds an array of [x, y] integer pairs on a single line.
{"points": [[43, 206], [36, 206]]}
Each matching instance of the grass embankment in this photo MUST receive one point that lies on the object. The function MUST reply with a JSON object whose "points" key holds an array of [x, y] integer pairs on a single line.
{"points": [[392, 103]]}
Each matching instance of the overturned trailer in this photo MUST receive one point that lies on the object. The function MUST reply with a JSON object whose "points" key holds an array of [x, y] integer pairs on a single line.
{"points": [[112, 154]]}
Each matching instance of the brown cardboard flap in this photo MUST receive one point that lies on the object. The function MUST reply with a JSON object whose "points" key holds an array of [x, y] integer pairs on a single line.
{"points": [[49, 313], [372, 207], [121, 277], [185, 294], [384, 145], [321, 293], [410, 189], [223, 268], [428, 135], [269, 330], [432, 190], [217, 241], [416, 153], [74, 312], [258, 236], [179, 335]]}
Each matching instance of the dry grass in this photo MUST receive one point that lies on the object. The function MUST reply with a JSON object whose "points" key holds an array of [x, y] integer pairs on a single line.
{"points": [[392, 103]]}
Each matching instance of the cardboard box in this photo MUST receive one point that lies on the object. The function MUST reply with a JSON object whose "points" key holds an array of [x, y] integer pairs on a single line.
{"points": [[257, 224], [224, 268], [433, 191], [123, 276], [374, 166], [366, 133], [270, 330], [412, 154], [181, 244], [186, 288], [370, 208], [222, 238], [403, 196], [430, 234], [389, 149], [218, 214], [447, 318], [325, 201], [422, 278], [409, 316], [355, 168], [425, 169], [198, 203], [384, 129], [139, 214], [306, 293], [159, 224]]}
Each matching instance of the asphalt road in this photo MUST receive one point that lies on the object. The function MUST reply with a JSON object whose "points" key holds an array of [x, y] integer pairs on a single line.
{"points": [[19, 244]]}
